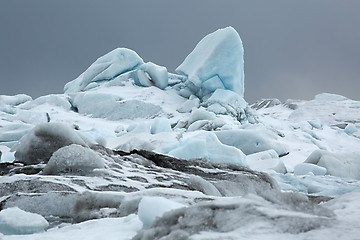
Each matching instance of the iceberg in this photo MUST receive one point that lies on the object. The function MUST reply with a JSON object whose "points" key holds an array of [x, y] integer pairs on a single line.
{"points": [[217, 62]]}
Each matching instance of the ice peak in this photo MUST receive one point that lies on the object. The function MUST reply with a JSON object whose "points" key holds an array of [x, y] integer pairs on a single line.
{"points": [[217, 61]]}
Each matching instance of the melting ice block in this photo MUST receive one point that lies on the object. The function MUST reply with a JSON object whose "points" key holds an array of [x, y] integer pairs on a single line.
{"points": [[217, 62]]}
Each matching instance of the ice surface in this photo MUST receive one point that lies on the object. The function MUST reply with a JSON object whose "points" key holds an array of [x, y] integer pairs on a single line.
{"points": [[151, 208], [330, 109], [205, 145], [350, 129], [14, 221], [106, 68], [112, 107], [216, 62], [74, 159]]}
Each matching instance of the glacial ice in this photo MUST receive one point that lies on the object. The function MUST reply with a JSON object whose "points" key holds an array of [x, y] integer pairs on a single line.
{"points": [[122, 101], [160, 124], [215, 63], [252, 140], [106, 68], [14, 221], [151, 208], [206, 146], [308, 168], [346, 165], [152, 75], [14, 131]]}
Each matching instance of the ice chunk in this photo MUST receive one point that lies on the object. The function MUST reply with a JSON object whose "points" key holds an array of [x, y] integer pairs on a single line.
{"points": [[7, 156], [151, 208], [14, 221], [206, 146], [152, 75], [350, 129], [161, 124], [216, 62], [227, 103], [44, 139], [308, 168], [106, 68], [345, 165], [200, 114], [252, 140], [73, 159], [188, 105], [266, 160]]}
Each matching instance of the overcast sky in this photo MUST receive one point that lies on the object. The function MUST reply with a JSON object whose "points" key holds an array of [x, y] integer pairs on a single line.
{"points": [[293, 49]]}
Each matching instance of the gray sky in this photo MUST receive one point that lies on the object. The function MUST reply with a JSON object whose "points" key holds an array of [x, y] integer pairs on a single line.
{"points": [[293, 49]]}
